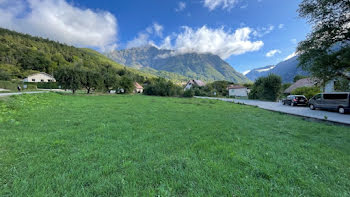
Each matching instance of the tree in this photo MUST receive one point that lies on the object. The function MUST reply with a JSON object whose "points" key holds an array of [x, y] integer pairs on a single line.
{"points": [[220, 87], [309, 92], [91, 80], [127, 84], [110, 78], [266, 88], [326, 51], [70, 78], [162, 87]]}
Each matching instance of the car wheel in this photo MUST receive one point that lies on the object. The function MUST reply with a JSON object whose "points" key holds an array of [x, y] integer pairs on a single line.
{"points": [[312, 107], [292, 104], [283, 103], [341, 110]]}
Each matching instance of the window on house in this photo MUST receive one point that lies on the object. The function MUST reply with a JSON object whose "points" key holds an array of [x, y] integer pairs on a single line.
{"points": [[49, 80], [42, 80], [33, 80]]}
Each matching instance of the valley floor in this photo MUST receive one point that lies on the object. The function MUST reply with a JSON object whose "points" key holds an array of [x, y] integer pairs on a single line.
{"points": [[79, 145]]}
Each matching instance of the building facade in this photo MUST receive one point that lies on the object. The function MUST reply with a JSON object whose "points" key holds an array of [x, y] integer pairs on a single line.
{"points": [[40, 77]]}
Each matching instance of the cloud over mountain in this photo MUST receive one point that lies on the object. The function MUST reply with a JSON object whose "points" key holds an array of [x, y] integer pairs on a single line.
{"points": [[216, 41], [60, 21], [272, 53]]}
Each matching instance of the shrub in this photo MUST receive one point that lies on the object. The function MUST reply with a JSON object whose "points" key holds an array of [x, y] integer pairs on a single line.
{"points": [[266, 88], [162, 87], [308, 92], [188, 93]]}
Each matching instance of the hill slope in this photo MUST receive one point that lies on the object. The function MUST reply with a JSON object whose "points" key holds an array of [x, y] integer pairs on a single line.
{"points": [[22, 54], [207, 67], [287, 69]]}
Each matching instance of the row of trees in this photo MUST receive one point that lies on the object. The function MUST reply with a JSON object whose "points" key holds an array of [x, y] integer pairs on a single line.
{"points": [[106, 79]]}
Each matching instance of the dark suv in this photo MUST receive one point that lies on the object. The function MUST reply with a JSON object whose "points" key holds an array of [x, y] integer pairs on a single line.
{"points": [[339, 101], [294, 100]]}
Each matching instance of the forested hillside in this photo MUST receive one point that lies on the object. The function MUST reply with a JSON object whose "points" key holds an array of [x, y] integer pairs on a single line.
{"points": [[22, 54]]}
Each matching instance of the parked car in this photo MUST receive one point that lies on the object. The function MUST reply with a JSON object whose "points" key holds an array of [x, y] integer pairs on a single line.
{"points": [[294, 100], [339, 101]]}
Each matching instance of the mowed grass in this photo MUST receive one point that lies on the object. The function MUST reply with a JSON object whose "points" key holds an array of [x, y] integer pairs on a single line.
{"points": [[64, 145]]}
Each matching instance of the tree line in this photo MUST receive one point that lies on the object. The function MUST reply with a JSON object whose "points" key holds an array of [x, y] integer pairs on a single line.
{"points": [[106, 78]]}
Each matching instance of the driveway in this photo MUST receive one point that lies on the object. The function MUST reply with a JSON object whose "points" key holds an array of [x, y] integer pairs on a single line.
{"points": [[297, 110], [18, 93]]}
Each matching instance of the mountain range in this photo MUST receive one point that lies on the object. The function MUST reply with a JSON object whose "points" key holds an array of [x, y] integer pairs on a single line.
{"points": [[178, 66], [287, 69]]}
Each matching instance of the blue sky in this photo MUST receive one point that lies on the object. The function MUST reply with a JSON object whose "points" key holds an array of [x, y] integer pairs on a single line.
{"points": [[246, 33]]}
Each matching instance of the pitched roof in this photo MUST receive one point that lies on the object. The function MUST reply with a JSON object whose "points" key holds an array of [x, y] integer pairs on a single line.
{"points": [[41, 73], [306, 82], [235, 87], [138, 86], [197, 82]]}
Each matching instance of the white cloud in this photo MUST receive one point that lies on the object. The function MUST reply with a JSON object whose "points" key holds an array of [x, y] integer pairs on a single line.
{"points": [[261, 31], [244, 6], [224, 4], [166, 44], [181, 6], [290, 56], [60, 21], [144, 37], [294, 41], [216, 41], [158, 29], [280, 26], [272, 53]]}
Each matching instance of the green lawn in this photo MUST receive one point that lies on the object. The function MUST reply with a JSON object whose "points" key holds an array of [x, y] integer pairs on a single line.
{"points": [[64, 145]]}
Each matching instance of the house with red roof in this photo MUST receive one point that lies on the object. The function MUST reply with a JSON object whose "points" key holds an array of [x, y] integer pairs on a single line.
{"points": [[138, 88]]}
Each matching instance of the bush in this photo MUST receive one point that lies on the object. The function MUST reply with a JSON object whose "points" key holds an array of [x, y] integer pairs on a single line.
{"points": [[308, 92], [188, 93], [8, 85], [266, 88], [48, 85], [162, 87]]}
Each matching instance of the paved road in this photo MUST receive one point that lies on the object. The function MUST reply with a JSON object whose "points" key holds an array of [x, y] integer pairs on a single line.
{"points": [[298, 110], [18, 93]]}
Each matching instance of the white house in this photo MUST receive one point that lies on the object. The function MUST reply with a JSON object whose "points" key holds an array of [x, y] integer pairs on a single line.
{"points": [[138, 88], [193, 83], [237, 90], [40, 77]]}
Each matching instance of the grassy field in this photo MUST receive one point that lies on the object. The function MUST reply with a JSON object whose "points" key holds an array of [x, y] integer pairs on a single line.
{"points": [[64, 145]]}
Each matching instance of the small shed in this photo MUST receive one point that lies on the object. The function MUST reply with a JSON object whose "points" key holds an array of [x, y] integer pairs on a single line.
{"points": [[138, 88], [194, 83], [237, 90], [40, 77], [306, 82]]}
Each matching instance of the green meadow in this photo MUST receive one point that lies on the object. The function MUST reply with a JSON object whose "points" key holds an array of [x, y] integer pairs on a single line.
{"points": [[112, 145]]}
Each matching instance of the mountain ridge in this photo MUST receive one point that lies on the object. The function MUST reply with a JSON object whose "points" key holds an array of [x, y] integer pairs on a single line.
{"points": [[287, 69], [207, 67]]}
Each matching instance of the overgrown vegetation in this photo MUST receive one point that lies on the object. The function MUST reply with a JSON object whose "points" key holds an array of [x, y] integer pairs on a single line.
{"points": [[266, 88], [308, 92], [162, 87], [117, 145]]}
